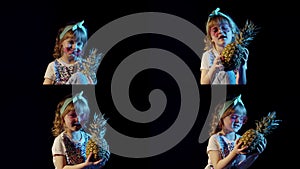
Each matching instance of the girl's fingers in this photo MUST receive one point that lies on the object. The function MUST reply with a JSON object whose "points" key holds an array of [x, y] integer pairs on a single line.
{"points": [[89, 157], [97, 162]]}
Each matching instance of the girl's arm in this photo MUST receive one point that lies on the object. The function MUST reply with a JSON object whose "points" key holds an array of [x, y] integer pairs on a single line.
{"points": [[207, 75], [219, 163], [49, 74], [241, 77], [48, 81]]}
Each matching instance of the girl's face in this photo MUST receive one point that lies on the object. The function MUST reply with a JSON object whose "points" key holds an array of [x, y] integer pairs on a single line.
{"points": [[221, 34], [234, 122], [72, 48], [82, 115], [72, 121]]}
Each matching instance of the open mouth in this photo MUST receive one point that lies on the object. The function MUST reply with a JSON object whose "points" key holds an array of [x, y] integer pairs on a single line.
{"points": [[77, 124], [222, 37], [236, 126]]}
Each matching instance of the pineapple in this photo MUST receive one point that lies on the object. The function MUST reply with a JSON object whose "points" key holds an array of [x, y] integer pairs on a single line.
{"points": [[253, 137], [234, 52], [90, 64], [97, 144]]}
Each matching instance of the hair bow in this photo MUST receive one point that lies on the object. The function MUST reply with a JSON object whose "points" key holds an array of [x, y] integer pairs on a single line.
{"points": [[78, 96], [215, 12], [73, 27], [229, 103]]}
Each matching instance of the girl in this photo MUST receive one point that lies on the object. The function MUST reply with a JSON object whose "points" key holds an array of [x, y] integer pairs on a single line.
{"points": [[223, 150], [70, 141], [67, 68], [220, 31]]}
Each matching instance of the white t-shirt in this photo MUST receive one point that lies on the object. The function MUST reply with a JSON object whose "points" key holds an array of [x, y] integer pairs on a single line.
{"points": [[73, 151], [59, 71], [63, 73], [225, 146], [221, 76]]}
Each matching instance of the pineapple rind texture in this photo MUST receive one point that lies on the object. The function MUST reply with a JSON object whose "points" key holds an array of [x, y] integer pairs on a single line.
{"points": [[232, 56], [99, 150], [234, 52], [253, 137], [97, 143]]}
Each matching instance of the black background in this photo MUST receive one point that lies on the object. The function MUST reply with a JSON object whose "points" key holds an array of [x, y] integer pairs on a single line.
{"points": [[28, 35]]}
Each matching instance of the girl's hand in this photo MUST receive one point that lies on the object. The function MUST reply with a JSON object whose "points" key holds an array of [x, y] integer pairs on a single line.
{"points": [[217, 63], [262, 146], [88, 161], [238, 149], [244, 59]]}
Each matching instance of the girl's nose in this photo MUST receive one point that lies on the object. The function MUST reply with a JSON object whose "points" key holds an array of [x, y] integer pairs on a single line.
{"points": [[240, 120], [221, 31], [74, 46], [78, 118]]}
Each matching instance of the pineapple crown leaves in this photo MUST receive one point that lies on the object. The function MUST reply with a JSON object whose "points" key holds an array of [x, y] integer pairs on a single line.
{"points": [[93, 59], [247, 34], [91, 63], [97, 127], [268, 123]]}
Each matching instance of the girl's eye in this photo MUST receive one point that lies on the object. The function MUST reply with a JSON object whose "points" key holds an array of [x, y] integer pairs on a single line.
{"points": [[225, 28], [214, 30], [72, 114], [71, 42], [233, 117], [243, 119]]}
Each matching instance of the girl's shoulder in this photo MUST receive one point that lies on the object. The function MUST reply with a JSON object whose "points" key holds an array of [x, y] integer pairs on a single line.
{"points": [[208, 54], [62, 63], [59, 138], [214, 136], [52, 63], [209, 51]]}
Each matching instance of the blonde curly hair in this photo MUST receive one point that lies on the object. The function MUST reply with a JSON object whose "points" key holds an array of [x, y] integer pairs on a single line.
{"points": [[223, 110], [58, 123]]}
